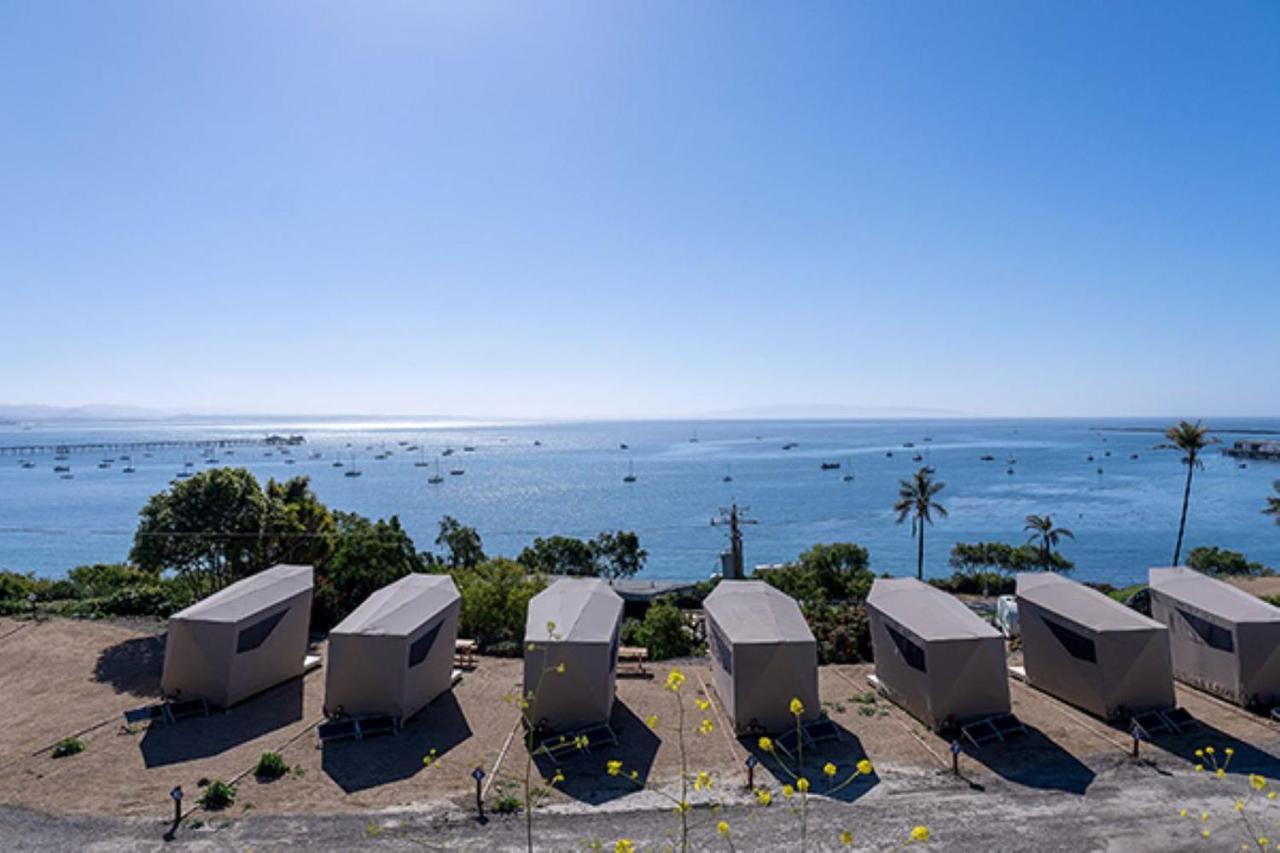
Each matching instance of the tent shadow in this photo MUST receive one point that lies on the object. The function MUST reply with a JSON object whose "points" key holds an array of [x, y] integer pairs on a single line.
{"points": [[133, 666], [1245, 759], [360, 765], [845, 751], [1033, 761], [585, 779], [200, 737]]}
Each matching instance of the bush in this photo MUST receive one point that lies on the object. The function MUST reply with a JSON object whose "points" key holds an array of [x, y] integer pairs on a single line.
{"points": [[976, 583], [665, 632], [217, 795], [68, 746], [270, 766], [1220, 561], [825, 574], [843, 632], [495, 596], [105, 579]]}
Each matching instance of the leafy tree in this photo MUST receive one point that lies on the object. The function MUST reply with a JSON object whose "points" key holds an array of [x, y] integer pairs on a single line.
{"points": [[465, 550], [974, 558], [1190, 439], [824, 574], [209, 529], [559, 555], [1220, 561], [916, 501], [1041, 527], [495, 596], [665, 632], [367, 556], [300, 529], [1273, 503], [618, 554], [842, 631]]}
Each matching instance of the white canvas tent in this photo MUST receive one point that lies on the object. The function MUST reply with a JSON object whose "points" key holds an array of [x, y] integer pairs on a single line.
{"points": [[763, 655], [394, 654], [1224, 640], [1092, 651], [575, 622], [934, 656], [240, 640]]}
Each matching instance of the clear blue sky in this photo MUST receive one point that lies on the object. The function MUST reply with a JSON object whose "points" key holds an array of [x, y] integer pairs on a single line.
{"points": [[630, 209]]}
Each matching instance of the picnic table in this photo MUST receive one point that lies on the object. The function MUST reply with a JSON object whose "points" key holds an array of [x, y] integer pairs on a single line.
{"points": [[464, 653], [634, 658]]}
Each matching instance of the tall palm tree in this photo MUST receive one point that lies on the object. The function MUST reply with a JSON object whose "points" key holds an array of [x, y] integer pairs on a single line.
{"points": [[1041, 527], [1190, 439], [915, 499], [1273, 503]]}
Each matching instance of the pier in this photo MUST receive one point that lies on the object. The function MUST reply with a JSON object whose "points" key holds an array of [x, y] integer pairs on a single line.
{"points": [[164, 444], [1255, 449]]}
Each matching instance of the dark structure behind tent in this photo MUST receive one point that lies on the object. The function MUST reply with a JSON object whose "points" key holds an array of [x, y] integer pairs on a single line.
{"points": [[934, 656], [394, 653], [1091, 651], [241, 640], [1223, 639], [763, 655]]}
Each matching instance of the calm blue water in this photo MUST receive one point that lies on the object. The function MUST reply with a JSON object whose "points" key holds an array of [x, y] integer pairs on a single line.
{"points": [[1124, 519]]}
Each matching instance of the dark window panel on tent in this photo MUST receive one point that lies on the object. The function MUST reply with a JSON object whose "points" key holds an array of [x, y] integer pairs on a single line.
{"points": [[1214, 635], [723, 652], [1078, 646], [421, 646], [256, 634], [911, 652]]}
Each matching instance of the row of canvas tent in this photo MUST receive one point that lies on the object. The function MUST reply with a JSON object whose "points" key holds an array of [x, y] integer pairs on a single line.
{"points": [[393, 655], [947, 666]]}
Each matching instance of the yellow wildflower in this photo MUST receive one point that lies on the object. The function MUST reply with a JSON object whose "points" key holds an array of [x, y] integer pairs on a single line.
{"points": [[702, 704], [560, 668], [1199, 753], [766, 744], [846, 838], [1239, 805], [702, 780], [1264, 842], [1230, 751], [722, 827], [1220, 773], [651, 721], [557, 777], [1199, 768], [829, 769], [864, 767], [920, 834], [1208, 750], [787, 791], [802, 785], [705, 727], [613, 767], [1182, 813], [634, 775], [624, 845], [797, 707], [1271, 795], [763, 797], [1204, 815], [1206, 833], [682, 807], [675, 678], [1257, 782], [532, 647]]}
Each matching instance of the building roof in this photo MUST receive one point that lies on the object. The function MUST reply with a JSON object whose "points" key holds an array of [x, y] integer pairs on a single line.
{"points": [[400, 608], [582, 610], [1086, 607], [754, 612], [927, 611], [1211, 595], [251, 595]]}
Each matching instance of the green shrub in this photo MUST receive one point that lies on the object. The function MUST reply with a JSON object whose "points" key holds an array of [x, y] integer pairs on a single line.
{"points": [[842, 631], [270, 766], [976, 583], [507, 803], [217, 795], [665, 632], [495, 595], [68, 746], [1220, 561], [103, 579]]}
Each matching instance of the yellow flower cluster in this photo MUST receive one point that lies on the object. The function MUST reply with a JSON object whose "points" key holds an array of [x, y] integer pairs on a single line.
{"points": [[763, 797], [675, 679], [722, 827], [797, 707], [766, 745], [920, 834], [613, 767], [705, 727], [624, 845], [702, 780]]}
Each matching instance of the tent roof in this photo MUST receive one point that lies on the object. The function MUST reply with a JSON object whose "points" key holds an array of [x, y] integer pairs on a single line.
{"points": [[251, 595], [928, 612], [400, 608], [1082, 605], [584, 610], [754, 612], [1211, 595]]}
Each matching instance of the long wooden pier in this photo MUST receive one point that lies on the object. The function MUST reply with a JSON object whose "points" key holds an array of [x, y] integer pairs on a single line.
{"points": [[160, 444]]}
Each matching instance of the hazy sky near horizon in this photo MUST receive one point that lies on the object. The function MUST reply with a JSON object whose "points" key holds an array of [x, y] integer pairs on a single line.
{"points": [[641, 209]]}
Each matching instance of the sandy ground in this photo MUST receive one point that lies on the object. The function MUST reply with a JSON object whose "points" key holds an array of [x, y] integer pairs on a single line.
{"points": [[64, 677]]}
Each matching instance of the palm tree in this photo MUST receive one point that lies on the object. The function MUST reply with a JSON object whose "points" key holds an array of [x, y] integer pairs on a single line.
{"points": [[1273, 504], [915, 499], [1190, 439], [1041, 527]]}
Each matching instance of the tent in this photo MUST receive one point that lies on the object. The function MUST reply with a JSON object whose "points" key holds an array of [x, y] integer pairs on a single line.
{"points": [[934, 656], [1090, 650], [394, 653], [763, 655], [575, 622], [240, 640], [1224, 640]]}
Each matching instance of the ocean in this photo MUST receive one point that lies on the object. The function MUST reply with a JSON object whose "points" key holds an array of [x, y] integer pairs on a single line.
{"points": [[526, 480]]}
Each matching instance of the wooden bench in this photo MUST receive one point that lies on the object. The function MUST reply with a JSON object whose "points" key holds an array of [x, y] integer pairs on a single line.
{"points": [[464, 653], [633, 658]]}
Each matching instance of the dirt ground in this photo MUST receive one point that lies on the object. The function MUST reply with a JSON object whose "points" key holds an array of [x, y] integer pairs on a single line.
{"points": [[65, 677]]}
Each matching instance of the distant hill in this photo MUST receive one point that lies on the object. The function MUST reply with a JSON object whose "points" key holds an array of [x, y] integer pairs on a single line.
{"points": [[18, 414]]}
